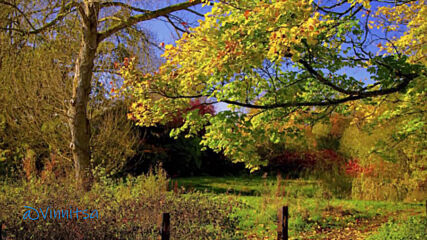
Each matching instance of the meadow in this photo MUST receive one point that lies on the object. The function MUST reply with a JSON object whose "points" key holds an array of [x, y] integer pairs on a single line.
{"points": [[314, 213], [243, 207]]}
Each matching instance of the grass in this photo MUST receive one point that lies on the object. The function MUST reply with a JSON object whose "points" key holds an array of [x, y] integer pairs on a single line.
{"points": [[246, 186], [314, 212], [412, 228], [206, 208]]}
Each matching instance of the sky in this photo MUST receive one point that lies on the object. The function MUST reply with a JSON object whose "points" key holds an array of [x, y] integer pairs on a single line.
{"points": [[163, 32]]}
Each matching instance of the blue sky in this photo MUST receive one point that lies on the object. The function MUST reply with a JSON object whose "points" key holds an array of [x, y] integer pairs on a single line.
{"points": [[164, 32]]}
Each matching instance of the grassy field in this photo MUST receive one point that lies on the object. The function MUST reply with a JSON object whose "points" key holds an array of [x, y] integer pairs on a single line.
{"points": [[314, 212]]}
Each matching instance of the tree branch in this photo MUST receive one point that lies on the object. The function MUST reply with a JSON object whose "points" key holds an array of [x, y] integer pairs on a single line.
{"points": [[321, 79], [20, 11], [144, 17], [64, 12], [327, 102], [330, 102], [123, 5], [194, 12]]}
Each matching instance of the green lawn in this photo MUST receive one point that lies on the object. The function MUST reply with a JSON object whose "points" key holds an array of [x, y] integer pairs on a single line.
{"points": [[314, 212]]}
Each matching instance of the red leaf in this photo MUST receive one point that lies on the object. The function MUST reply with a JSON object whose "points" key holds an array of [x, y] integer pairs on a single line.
{"points": [[247, 13]]}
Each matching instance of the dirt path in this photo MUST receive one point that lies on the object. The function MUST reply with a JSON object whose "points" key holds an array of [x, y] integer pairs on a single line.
{"points": [[354, 231], [359, 230]]}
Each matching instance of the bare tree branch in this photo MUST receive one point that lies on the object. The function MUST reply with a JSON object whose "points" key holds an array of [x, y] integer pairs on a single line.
{"points": [[194, 12], [144, 17], [63, 13], [123, 5], [20, 11]]}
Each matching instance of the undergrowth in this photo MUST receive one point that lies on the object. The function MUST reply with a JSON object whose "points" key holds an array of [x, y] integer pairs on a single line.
{"points": [[127, 210]]}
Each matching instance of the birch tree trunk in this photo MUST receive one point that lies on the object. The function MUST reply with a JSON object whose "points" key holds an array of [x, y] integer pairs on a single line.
{"points": [[79, 122]]}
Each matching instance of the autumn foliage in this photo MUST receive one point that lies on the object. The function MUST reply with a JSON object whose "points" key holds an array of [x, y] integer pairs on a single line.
{"points": [[271, 59]]}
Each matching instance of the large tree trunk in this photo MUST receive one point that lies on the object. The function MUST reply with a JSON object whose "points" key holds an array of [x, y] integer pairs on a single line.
{"points": [[79, 122]]}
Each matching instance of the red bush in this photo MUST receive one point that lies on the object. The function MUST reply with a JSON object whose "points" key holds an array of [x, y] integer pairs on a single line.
{"points": [[353, 168]]}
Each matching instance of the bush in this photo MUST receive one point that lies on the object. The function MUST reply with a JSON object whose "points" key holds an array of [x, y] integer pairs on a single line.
{"points": [[388, 181], [114, 140], [179, 157], [292, 163], [330, 169], [127, 210], [415, 228]]}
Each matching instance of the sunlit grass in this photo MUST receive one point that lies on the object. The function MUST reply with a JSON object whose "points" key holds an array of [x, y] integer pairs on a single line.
{"points": [[313, 211]]}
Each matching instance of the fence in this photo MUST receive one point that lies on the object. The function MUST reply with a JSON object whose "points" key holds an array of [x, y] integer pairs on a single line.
{"points": [[165, 227], [282, 225], [164, 233]]}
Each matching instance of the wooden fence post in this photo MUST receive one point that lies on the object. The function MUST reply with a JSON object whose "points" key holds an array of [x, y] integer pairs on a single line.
{"points": [[1, 231], [175, 187], [165, 227], [282, 227]]}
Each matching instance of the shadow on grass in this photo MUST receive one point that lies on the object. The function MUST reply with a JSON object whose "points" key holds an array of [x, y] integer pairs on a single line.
{"points": [[214, 189], [236, 186]]}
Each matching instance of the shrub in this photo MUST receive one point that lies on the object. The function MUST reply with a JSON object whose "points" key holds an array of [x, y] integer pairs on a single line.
{"points": [[114, 139], [388, 181], [325, 165], [178, 157], [330, 169], [293, 163], [126, 210]]}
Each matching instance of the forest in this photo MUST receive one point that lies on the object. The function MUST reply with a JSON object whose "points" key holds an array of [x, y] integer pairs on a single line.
{"points": [[213, 119]]}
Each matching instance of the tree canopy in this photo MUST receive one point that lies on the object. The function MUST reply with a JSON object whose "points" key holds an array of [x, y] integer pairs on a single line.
{"points": [[276, 61]]}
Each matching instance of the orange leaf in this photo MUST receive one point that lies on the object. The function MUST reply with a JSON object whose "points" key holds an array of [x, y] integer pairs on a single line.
{"points": [[247, 13]]}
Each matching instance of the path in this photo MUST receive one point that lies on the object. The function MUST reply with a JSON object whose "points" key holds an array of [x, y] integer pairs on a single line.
{"points": [[359, 230]]}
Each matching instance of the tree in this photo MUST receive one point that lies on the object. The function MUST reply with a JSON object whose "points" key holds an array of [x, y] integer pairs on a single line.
{"points": [[283, 58], [98, 20], [35, 87]]}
